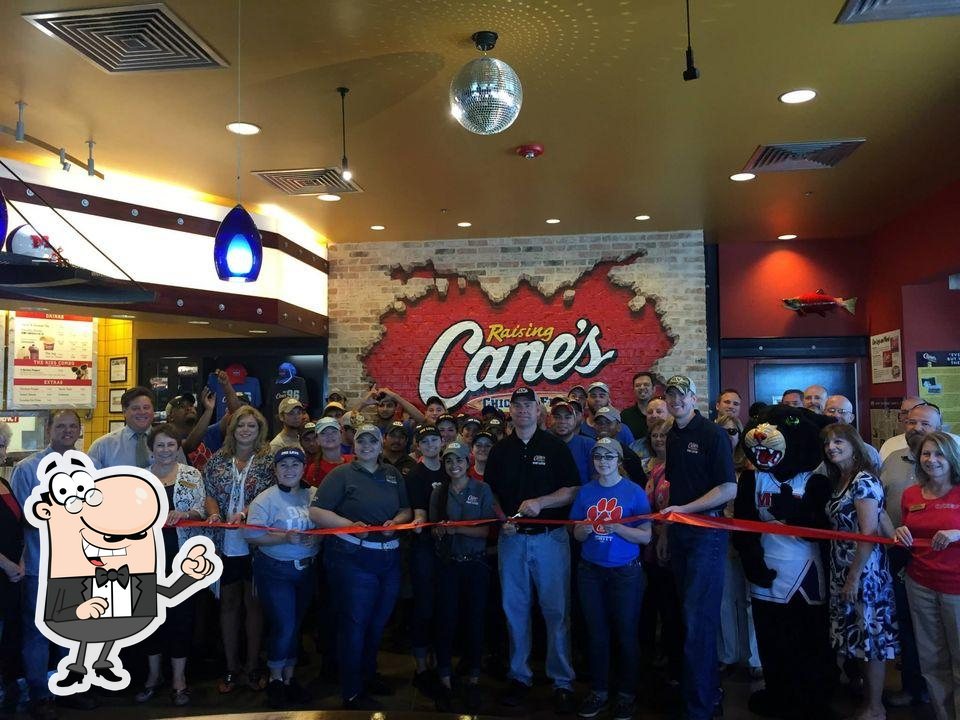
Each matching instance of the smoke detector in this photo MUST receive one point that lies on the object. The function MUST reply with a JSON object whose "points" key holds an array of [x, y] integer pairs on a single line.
{"points": [[530, 151]]}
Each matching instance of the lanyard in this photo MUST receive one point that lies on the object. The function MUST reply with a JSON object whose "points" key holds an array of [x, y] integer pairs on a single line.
{"points": [[239, 485]]}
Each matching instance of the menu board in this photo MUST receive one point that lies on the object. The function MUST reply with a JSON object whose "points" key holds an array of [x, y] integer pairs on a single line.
{"points": [[886, 360], [938, 375], [51, 361]]}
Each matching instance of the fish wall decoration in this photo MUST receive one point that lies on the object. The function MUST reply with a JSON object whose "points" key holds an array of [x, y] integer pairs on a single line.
{"points": [[819, 303]]}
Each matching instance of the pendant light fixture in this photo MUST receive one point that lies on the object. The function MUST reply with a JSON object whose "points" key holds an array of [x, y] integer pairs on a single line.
{"points": [[237, 246], [690, 72], [345, 171], [486, 95]]}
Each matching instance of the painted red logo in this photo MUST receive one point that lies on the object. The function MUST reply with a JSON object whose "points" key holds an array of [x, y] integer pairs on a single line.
{"points": [[464, 348], [605, 512]]}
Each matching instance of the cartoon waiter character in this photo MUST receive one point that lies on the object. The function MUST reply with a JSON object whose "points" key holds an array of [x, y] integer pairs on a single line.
{"points": [[99, 561]]}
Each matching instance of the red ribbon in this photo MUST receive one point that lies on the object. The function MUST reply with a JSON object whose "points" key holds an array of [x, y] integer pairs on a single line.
{"points": [[702, 521]]}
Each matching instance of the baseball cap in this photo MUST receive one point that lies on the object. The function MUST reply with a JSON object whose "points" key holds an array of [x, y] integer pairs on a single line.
{"points": [[576, 405], [353, 420], [310, 427], [576, 387], [323, 423], [425, 430], [289, 452], [180, 401], [369, 430], [434, 400], [523, 393], [236, 373], [461, 450], [335, 405], [610, 413], [681, 383], [610, 444], [561, 404], [397, 426], [336, 396], [447, 417], [470, 420], [288, 404], [599, 386], [495, 423], [484, 434]]}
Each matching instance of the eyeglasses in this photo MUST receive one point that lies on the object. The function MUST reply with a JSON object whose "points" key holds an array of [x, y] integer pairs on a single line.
{"points": [[837, 411], [604, 457], [904, 413]]}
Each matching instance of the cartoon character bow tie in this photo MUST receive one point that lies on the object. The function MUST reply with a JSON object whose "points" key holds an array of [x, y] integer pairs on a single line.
{"points": [[122, 576]]}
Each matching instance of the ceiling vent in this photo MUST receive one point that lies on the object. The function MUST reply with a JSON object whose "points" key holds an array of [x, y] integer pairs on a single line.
{"points": [[130, 38], [783, 157], [858, 11], [309, 181]]}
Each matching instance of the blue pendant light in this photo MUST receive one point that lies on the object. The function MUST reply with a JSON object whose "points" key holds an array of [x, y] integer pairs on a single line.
{"points": [[237, 247]]}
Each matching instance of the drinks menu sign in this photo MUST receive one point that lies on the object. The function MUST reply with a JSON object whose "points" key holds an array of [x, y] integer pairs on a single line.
{"points": [[51, 361]]}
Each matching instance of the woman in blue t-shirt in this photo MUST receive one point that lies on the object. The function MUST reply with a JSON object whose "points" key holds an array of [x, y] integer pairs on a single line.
{"points": [[610, 577], [283, 569]]}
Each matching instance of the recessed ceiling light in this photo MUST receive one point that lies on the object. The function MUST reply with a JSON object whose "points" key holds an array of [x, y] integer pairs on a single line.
{"points": [[198, 322], [795, 97], [378, 227], [552, 221], [788, 236], [329, 197], [642, 217], [464, 224], [257, 332], [742, 177], [243, 128], [124, 317]]}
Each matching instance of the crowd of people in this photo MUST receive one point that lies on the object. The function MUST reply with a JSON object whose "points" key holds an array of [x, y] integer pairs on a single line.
{"points": [[621, 589]]}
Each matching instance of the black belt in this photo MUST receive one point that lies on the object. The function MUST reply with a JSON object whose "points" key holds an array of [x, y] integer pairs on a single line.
{"points": [[532, 529]]}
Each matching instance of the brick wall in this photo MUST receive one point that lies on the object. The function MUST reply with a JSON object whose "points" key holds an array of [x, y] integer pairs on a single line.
{"points": [[664, 269]]}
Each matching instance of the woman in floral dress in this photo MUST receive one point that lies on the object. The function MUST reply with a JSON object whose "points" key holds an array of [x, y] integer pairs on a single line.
{"points": [[862, 615]]}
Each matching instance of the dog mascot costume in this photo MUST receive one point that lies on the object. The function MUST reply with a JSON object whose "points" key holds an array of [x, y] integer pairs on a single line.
{"points": [[788, 586]]}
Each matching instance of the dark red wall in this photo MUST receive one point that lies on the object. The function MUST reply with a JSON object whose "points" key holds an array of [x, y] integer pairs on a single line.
{"points": [[931, 321], [756, 277], [919, 245]]}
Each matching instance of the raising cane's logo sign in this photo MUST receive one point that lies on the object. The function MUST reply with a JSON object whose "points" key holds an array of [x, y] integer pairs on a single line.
{"points": [[467, 349]]}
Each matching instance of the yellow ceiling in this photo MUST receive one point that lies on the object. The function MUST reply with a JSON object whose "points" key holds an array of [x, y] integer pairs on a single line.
{"points": [[603, 93]]}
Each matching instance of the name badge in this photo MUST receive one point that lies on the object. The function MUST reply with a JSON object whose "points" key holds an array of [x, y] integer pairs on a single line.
{"points": [[539, 460], [917, 507]]}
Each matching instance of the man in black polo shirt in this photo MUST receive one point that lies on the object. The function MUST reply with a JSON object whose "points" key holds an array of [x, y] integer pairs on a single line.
{"points": [[701, 477], [533, 474]]}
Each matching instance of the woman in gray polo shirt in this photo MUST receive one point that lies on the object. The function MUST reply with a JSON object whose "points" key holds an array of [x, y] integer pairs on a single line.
{"points": [[363, 567], [463, 577]]}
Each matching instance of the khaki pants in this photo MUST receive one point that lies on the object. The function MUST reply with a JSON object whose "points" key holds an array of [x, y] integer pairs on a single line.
{"points": [[936, 622]]}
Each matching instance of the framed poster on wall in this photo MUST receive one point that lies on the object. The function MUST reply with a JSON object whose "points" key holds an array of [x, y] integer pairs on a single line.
{"points": [[118, 369], [938, 379], [51, 361], [116, 394]]}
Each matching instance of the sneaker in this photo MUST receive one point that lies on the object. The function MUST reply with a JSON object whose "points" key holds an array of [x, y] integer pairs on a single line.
{"points": [[624, 709], [592, 706], [472, 698], [563, 703], [443, 698], [296, 694], [43, 709], [361, 702], [275, 694], [515, 694], [378, 685]]}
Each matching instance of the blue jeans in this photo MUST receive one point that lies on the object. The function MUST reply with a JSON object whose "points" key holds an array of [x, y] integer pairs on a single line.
{"points": [[611, 598], [462, 589], [284, 593], [697, 557], [367, 582], [542, 562], [36, 647], [422, 571]]}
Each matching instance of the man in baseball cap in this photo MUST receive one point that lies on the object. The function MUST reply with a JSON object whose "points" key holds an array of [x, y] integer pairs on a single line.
{"points": [[533, 474], [598, 396], [395, 445], [566, 427], [607, 423], [700, 472], [292, 416]]}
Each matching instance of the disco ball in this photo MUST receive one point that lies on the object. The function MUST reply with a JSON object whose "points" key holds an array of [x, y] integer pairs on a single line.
{"points": [[485, 96]]}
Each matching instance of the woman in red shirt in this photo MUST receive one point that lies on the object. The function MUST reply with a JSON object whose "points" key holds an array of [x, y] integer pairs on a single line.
{"points": [[931, 509]]}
